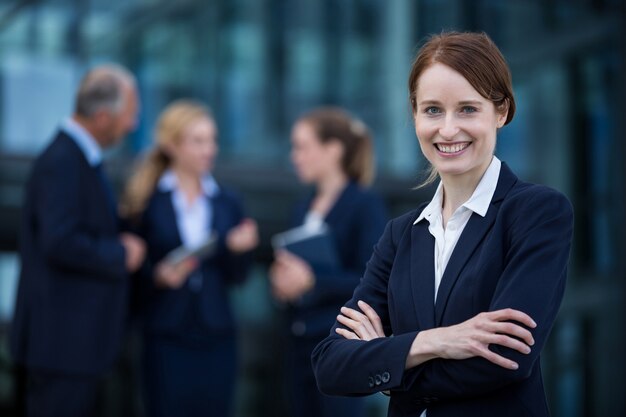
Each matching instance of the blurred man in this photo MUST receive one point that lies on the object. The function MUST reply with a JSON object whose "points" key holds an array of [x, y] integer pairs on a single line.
{"points": [[73, 290]]}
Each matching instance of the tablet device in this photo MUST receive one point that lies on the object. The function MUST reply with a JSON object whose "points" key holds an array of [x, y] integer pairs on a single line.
{"points": [[200, 252]]}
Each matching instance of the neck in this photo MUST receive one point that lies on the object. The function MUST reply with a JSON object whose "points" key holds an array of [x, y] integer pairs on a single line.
{"points": [[328, 190], [91, 128], [188, 183], [331, 185], [457, 189]]}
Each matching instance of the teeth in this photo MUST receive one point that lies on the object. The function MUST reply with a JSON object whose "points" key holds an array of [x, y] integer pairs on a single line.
{"points": [[457, 147]]}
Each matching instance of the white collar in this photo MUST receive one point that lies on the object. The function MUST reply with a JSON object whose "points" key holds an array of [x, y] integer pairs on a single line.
{"points": [[479, 201], [169, 182], [85, 141]]}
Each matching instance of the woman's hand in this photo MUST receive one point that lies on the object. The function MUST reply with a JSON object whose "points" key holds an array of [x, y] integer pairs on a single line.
{"points": [[365, 325], [473, 337], [244, 237], [290, 276], [174, 275]]}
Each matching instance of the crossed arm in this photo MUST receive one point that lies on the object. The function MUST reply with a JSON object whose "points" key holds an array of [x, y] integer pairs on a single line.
{"points": [[494, 348], [462, 341]]}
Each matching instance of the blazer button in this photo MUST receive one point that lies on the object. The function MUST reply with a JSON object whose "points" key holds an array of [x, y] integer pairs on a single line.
{"points": [[298, 328], [386, 377], [378, 379], [370, 381]]}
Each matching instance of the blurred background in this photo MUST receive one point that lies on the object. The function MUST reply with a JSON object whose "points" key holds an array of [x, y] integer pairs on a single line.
{"points": [[261, 63]]}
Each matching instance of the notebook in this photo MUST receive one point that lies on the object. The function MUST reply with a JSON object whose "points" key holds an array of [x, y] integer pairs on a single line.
{"points": [[316, 246]]}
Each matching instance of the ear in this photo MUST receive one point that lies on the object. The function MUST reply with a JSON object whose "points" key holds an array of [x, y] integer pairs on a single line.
{"points": [[168, 149], [336, 148], [503, 112], [102, 118]]}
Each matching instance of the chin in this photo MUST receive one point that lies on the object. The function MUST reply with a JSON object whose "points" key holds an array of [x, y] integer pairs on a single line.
{"points": [[304, 179], [452, 169]]}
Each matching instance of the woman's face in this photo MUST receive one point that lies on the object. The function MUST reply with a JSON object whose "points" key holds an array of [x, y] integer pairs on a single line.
{"points": [[455, 125], [311, 158], [197, 148]]}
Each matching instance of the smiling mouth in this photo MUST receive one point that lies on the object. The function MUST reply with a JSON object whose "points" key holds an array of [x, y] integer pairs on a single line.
{"points": [[452, 148]]}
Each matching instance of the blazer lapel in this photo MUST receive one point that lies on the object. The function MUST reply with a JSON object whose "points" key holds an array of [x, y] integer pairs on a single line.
{"points": [[341, 206], [473, 234], [422, 274], [217, 216], [169, 223]]}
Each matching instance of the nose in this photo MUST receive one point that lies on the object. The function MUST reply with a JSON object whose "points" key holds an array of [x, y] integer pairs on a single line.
{"points": [[449, 129]]}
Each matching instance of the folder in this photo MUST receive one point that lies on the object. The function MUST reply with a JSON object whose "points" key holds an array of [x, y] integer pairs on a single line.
{"points": [[202, 251], [316, 246]]}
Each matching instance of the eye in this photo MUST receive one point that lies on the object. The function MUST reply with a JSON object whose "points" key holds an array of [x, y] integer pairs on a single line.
{"points": [[468, 109], [432, 110]]}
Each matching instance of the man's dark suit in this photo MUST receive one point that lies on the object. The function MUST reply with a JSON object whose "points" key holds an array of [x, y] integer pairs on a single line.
{"points": [[72, 297], [514, 257]]}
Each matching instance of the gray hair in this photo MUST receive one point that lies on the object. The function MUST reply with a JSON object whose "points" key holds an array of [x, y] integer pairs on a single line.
{"points": [[102, 89]]}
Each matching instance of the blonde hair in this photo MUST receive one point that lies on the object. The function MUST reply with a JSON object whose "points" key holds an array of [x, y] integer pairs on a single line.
{"points": [[170, 125], [335, 124]]}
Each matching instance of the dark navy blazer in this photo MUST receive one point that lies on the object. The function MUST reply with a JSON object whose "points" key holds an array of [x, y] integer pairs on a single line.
{"points": [[165, 311], [356, 220], [72, 299], [514, 257]]}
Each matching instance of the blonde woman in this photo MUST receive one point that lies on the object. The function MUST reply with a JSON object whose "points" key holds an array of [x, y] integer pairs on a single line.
{"points": [[189, 337]]}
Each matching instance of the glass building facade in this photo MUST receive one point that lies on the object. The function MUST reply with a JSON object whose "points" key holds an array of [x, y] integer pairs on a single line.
{"points": [[260, 63]]}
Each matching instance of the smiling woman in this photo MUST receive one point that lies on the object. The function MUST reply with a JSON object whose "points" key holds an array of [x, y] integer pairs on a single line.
{"points": [[469, 284], [455, 125]]}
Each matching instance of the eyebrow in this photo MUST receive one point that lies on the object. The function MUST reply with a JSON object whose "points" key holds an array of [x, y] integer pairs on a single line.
{"points": [[461, 103], [470, 102]]}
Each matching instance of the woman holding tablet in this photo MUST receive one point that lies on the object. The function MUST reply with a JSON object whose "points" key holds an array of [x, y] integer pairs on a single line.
{"points": [[199, 243], [331, 151]]}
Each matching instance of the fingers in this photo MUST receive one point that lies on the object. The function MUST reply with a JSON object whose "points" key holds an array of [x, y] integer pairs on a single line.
{"points": [[358, 322], [346, 334], [373, 317], [243, 237], [512, 329], [497, 329], [506, 341], [135, 249], [497, 322], [511, 314], [497, 359], [174, 276], [286, 283], [364, 325], [283, 256]]}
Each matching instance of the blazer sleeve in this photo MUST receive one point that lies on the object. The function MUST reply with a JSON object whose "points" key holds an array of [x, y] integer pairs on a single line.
{"points": [[65, 240], [354, 367], [235, 266], [368, 224], [533, 281]]}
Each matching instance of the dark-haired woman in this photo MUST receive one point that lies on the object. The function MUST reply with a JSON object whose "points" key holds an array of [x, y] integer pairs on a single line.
{"points": [[468, 284], [332, 151]]}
